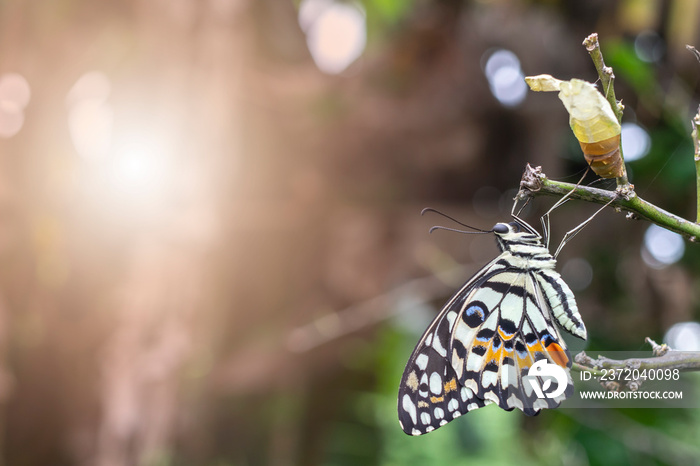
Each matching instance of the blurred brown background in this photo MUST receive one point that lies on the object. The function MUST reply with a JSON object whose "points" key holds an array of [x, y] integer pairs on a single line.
{"points": [[211, 251]]}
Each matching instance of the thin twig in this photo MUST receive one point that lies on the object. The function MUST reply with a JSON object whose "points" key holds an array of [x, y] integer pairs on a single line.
{"points": [[534, 182], [664, 358], [607, 78], [684, 361], [694, 51], [695, 123], [408, 296]]}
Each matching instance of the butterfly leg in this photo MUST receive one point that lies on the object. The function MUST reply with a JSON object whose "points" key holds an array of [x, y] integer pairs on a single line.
{"points": [[571, 233], [546, 228]]}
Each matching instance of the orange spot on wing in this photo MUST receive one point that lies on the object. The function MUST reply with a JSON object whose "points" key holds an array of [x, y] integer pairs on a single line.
{"points": [[451, 385], [435, 399], [558, 354], [526, 361], [505, 336], [493, 356], [536, 347]]}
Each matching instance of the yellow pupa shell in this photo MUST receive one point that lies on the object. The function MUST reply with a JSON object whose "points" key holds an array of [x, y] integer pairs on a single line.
{"points": [[591, 119]]}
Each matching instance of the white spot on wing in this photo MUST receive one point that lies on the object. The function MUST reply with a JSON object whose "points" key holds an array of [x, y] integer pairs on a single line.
{"points": [[538, 321], [515, 402], [491, 321], [474, 362], [464, 333], [505, 378], [438, 347], [451, 316], [457, 364], [438, 413], [409, 407], [512, 308], [453, 404], [435, 383], [488, 296], [422, 361], [425, 418], [488, 379]]}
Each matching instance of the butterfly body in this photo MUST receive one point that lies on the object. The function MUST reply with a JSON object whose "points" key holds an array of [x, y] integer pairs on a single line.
{"points": [[479, 348]]}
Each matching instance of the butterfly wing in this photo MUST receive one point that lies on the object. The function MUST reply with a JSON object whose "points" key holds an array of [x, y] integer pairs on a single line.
{"points": [[504, 327], [430, 394]]}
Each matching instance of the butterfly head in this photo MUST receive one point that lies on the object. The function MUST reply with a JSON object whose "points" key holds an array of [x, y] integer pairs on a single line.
{"points": [[515, 233], [509, 235]]}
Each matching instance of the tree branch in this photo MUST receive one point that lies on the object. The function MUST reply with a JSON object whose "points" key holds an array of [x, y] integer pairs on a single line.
{"points": [[535, 183], [664, 358], [696, 143], [695, 122], [607, 77]]}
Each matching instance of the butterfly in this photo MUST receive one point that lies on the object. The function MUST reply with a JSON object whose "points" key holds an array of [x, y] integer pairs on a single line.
{"points": [[484, 342]]}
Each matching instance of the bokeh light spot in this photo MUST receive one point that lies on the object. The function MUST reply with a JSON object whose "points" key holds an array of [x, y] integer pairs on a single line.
{"points": [[336, 33], [10, 122], [635, 142], [649, 46], [14, 97], [684, 336], [661, 247], [139, 168], [14, 89], [93, 85], [577, 273], [90, 117], [506, 79]]}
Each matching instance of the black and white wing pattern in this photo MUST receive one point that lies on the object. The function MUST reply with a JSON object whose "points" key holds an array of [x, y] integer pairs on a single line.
{"points": [[430, 395], [504, 328], [484, 341]]}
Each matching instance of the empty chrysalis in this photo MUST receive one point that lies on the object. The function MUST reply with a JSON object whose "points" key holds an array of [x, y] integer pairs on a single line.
{"points": [[591, 119]]}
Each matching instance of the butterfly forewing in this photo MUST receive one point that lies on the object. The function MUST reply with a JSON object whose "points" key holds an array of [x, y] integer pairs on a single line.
{"points": [[430, 394]]}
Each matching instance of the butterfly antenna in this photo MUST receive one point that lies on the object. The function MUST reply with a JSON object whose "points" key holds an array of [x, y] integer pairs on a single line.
{"points": [[430, 209], [438, 227]]}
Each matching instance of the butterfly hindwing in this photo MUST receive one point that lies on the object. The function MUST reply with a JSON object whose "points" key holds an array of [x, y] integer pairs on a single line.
{"points": [[562, 302], [502, 332]]}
